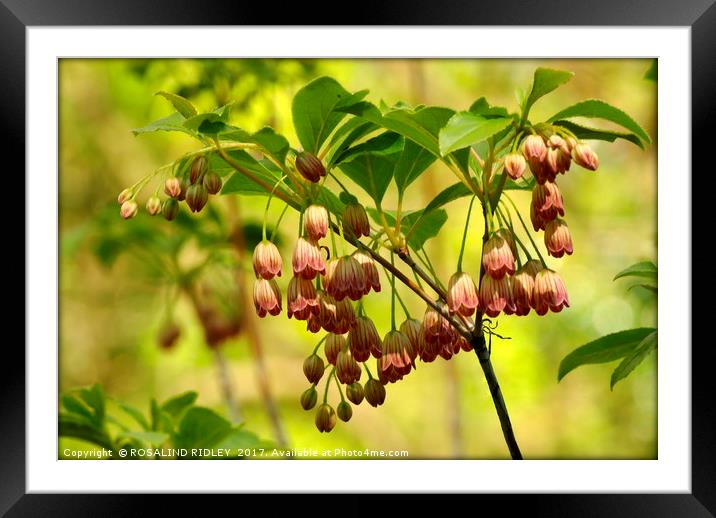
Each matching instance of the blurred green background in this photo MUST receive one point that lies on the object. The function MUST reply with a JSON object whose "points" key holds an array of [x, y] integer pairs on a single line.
{"points": [[110, 315]]}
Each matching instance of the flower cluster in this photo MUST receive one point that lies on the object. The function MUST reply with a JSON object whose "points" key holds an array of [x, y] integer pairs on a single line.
{"points": [[193, 185]]}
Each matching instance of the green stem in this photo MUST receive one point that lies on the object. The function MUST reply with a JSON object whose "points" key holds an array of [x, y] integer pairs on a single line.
{"points": [[527, 231], [328, 384], [367, 370], [392, 298], [268, 203], [464, 235], [315, 349], [278, 222], [338, 384]]}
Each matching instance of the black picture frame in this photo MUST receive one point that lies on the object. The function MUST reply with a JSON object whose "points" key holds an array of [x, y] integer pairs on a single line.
{"points": [[700, 15]]}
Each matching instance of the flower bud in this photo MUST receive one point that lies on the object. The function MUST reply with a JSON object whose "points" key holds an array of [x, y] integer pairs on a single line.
{"points": [[267, 297], [348, 370], [355, 220], [313, 324], [302, 299], [496, 296], [462, 294], [315, 222], [395, 361], [212, 182], [309, 398], [125, 195], [184, 187], [344, 411], [354, 393], [325, 418], [199, 167], [515, 165], [549, 293], [546, 205], [196, 197], [364, 340], [170, 209], [498, 258], [310, 166], [154, 205], [307, 259], [313, 368], [534, 148], [172, 187], [267, 260], [168, 335], [557, 238], [374, 392], [372, 278], [584, 156], [344, 319], [411, 329], [128, 209], [557, 142], [334, 345]]}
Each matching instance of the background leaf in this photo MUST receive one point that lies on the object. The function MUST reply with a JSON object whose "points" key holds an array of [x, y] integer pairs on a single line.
{"points": [[602, 350], [177, 404], [632, 360], [597, 109], [642, 269], [173, 122], [151, 438], [181, 104], [201, 428]]}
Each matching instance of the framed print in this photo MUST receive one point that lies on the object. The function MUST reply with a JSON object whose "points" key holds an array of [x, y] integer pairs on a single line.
{"points": [[410, 255]]}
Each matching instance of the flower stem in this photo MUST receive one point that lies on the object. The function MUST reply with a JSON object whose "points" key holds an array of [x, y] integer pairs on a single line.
{"points": [[392, 297], [464, 235], [527, 231], [268, 203]]}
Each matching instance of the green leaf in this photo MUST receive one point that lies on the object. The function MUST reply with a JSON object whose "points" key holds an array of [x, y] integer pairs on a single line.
{"points": [[422, 125], [652, 74], [452, 193], [152, 438], [602, 350], [238, 182], [372, 168], [649, 287], [238, 438], [386, 143], [161, 421], [631, 361], [413, 161], [76, 406], [466, 128], [583, 132], [426, 227], [135, 414], [177, 404], [642, 269], [95, 399], [482, 107], [173, 122], [314, 110], [71, 425], [330, 201], [596, 109], [201, 428], [345, 136], [181, 104], [545, 81]]}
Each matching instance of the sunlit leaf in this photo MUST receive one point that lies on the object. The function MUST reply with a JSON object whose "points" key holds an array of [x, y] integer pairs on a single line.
{"points": [[181, 104], [545, 81], [632, 360], [645, 269]]}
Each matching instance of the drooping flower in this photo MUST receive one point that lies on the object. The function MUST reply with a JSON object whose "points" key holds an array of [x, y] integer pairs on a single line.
{"points": [[313, 368], [355, 393], [334, 345], [497, 257], [309, 398], [313, 323], [364, 340], [523, 284], [534, 148], [355, 220], [374, 392], [125, 195], [310, 167], [128, 209], [515, 165], [307, 259], [267, 297], [411, 328], [347, 368], [344, 411], [395, 361], [549, 294], [325, 418], [172, 187], [315, 222], [170, 209], [267, 260], [346, 280], [199, 167], [372, 279], [462, 294], [496, 296], [196, 197], [557, 238], [546, 205], [301, 298], [212, 182], [464, 344], [154, 205], [584, 155], [437, 331]]}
